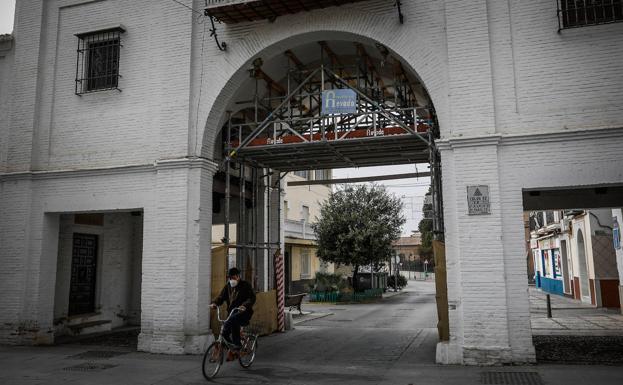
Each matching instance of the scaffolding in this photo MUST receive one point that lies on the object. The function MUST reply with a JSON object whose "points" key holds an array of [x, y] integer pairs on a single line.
{"points": [[285, 129]]}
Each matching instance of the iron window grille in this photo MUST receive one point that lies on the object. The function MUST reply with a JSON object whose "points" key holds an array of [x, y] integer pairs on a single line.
{"points": [[581, 13], [97, 67]]}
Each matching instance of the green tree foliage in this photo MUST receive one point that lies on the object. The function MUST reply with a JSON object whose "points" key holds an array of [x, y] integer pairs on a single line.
{"points": [[357, 226], [426, 228]]}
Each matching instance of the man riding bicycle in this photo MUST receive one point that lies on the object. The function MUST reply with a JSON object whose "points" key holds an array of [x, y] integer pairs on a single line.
{"points": [[238, 294]]}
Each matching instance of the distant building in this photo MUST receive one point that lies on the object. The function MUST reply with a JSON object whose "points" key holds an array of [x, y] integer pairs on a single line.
{"points": [[408, 249], [573, 255], [617, 223], [301, 209]]}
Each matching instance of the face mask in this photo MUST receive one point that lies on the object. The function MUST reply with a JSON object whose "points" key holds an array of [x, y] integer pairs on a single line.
{"points": [[233, 282]]}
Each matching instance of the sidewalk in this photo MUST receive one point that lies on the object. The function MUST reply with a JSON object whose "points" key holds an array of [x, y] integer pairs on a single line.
{"points": [[571, 317]]}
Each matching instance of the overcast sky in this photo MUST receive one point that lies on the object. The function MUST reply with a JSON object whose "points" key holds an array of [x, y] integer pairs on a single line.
{"points": [[7, 12], [410, 190]]}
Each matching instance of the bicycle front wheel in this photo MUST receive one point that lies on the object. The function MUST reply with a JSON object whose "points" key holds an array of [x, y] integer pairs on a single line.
{"points": [[247, 353], [212, 360]]}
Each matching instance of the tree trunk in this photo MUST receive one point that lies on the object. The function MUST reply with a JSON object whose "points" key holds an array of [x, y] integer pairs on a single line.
{"points": [[356, 279]]}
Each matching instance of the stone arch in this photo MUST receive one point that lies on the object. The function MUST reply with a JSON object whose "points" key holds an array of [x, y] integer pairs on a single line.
{"points": [[583, 268], [274, 38]]}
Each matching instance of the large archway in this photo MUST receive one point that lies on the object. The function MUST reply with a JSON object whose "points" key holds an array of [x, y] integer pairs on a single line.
{"points": [[395, 119], [423, 57]]}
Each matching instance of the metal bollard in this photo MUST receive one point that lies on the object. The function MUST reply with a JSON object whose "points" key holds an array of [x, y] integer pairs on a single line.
{"points": [[549, 307]]}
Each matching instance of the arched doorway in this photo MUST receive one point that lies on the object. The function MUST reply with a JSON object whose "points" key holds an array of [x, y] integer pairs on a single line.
{"points": [[278, 120], [584, 286]]}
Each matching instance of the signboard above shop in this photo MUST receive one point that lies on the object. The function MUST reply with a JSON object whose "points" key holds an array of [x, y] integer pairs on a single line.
{"points": [[339, 101]]}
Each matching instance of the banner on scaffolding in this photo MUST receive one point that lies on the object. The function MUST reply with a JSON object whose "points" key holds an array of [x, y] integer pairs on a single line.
{"points": [[340, 101]]}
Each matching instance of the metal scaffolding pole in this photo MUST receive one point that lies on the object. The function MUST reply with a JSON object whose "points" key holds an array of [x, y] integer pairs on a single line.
{"points": [[268, 235], [254, 217], [227, 191], [242, 228], [438, 227]]}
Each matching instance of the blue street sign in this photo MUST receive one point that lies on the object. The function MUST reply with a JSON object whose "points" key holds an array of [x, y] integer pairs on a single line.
{"points": [[341, 101]]}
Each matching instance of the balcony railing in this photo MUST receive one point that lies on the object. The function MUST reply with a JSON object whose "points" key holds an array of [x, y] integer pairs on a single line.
{"points": [[219, 3], [298, 229], [237, 11]]}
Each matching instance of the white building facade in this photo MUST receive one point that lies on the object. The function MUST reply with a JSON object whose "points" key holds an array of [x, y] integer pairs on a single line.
{"points": [[574, 255], [500, 75]]}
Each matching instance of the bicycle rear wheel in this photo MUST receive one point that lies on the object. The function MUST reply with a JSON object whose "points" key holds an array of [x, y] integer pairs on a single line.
{"points": [[212, 360], [248, 350]]}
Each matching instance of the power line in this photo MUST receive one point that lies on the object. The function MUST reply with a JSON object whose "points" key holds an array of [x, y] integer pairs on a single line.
{"points": [[186, 6]]}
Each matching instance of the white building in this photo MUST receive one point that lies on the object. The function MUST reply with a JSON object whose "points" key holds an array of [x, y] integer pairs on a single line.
{"points": [[301, 208], [617, 216], [574, 255], [136, 168]]}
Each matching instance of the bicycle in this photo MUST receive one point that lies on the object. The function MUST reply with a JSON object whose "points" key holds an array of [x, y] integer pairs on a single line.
{"points": [[213, 357]]}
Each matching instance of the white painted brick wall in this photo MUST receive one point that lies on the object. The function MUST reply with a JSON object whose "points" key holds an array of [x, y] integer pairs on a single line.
{"points": [[6, 65], [147, 121]]}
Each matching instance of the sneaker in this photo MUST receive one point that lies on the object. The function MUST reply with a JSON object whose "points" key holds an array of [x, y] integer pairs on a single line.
{"points": [[232, 355]]}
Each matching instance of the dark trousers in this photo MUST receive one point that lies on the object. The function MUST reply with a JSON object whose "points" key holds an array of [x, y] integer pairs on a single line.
{"points": [[231, 329]]}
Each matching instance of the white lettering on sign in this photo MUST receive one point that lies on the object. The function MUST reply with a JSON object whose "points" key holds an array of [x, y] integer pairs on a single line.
{"points": [[478, 200], [274, 141], [339, 101]]}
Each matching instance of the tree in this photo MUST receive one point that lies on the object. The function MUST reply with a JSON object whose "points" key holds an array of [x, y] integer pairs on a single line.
{"points": [[357, 226], [426, 227]]}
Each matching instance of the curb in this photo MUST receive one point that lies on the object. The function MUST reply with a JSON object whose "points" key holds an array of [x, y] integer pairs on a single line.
{"points": [[312, 318]]}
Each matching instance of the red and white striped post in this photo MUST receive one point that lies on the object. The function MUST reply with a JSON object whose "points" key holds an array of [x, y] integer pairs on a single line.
{"points": [[281, 294]]}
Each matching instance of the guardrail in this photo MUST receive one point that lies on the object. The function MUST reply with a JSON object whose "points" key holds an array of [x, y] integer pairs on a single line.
{"points": [[366, 295]]}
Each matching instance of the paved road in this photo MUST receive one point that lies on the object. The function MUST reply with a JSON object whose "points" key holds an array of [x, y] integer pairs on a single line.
{"points": [[392, 342]]}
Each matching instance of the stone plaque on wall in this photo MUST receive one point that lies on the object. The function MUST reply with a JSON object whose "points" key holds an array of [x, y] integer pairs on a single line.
{"points": [[478, 200]]}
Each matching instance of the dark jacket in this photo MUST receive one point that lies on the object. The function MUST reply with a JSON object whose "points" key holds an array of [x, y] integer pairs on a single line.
{"points": [[243, 294]]}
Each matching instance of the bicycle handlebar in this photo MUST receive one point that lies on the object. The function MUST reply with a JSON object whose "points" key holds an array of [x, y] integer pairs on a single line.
{"points": [[218, 313]]}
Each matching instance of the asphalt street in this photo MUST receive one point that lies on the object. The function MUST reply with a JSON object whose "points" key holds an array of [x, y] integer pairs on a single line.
{"points": [[389, 342]]}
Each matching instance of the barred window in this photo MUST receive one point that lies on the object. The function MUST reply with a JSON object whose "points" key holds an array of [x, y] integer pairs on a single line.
{"points": [[580, 13], [549, 217], [97, 67]]}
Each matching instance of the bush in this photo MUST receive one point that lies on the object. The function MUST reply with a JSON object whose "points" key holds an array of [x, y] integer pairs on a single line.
{"points": [[329, 282], [402, 281]]}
